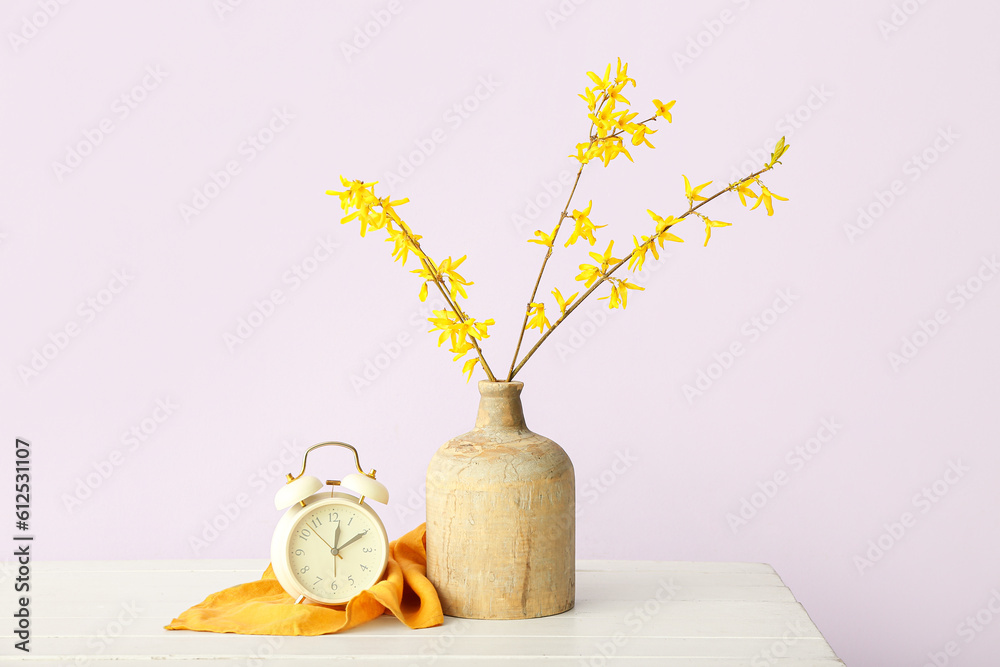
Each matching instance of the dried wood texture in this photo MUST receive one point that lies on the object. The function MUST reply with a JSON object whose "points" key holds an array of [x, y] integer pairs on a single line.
{"points": [[501, 516]]}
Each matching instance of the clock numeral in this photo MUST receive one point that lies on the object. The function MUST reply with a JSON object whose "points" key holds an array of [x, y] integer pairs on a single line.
{"points": [[299, 552], [350, 578], [333, 585], [318, 579], [368, 550], [317, 522], [304, 570], [364, 567], [305, 533], [334, 517], [349, 522]]}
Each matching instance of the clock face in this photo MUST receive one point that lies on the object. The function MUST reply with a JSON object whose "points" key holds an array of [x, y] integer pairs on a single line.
{"points": [[336, 549]]}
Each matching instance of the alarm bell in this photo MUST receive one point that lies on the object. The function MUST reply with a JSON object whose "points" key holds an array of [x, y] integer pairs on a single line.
{"points": [[296, 491], [366, 486], [302, 486]]}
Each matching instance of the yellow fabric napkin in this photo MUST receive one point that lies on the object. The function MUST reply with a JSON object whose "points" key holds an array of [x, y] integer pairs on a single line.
{"points": [[264, 608]]}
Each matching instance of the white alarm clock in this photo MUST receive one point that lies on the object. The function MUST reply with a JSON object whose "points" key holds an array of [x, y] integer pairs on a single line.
{"points": [[330, 545]]}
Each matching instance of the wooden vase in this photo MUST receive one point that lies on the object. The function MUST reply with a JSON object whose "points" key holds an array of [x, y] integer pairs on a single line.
{"points": [[501, 533]]}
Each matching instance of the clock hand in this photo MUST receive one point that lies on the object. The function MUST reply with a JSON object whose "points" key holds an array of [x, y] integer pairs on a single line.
{"points": [[354, 539], [336, 539], [334, 550]]}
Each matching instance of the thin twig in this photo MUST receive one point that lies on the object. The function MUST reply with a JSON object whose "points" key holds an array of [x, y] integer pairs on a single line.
{"points": [[555, 234], [439, 282], [604, 277], [538, 281]]}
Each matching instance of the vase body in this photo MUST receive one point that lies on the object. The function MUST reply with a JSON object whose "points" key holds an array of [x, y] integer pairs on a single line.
{"points": [[501, 533]]}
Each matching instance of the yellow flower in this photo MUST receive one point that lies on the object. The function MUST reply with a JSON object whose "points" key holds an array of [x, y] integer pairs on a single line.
{"points": [[470, 366], [389, 208], [662, 225], [355, 193], [451, 326], [619, 292], [765, 198], [712, 223], [606, 260], [604, 120], [744, 190], [599, 83], [589, 98], [583, 227], [586, 151], [638, 257], [639, 135], [402, 244], [694, 194], [368, 217], [538, 319], [611, 148], [615, 93], [623, 287], [543, 238], [589, 274], [623, 121], [563, 303], [443, 321], [615, 299], [460, 349], [456, 282], [621, 76], [663, 110]]}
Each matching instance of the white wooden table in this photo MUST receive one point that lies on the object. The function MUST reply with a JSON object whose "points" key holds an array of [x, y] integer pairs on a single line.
{"points": [[627, 613]]}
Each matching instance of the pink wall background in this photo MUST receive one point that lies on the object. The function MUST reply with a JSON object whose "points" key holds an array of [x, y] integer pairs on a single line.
{"points": [[165, 97]]}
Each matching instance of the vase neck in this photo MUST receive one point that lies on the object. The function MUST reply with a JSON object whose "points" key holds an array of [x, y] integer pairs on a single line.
{"points": [[500, 406]]}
